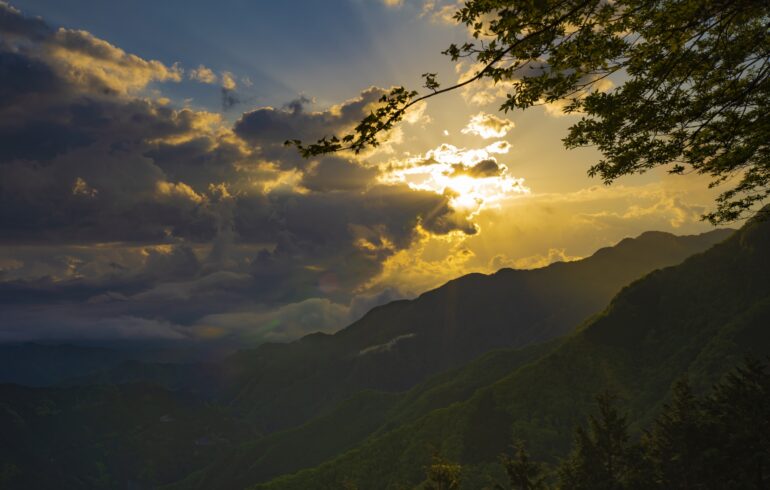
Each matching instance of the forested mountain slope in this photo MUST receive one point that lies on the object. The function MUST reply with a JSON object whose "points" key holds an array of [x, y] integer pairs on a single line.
{"points": [[697, 319], [398, 345]]}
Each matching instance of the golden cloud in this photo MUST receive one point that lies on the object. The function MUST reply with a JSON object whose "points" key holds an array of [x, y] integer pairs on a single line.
{"points": [[488, 126], [87, 60], [203, 75]]}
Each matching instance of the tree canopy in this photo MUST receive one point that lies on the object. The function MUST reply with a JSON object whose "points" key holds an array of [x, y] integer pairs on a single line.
{"points": [[689, 85]]}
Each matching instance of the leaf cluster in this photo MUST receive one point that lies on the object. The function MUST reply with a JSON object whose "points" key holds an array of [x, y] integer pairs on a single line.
{"points": [[690, 77]]}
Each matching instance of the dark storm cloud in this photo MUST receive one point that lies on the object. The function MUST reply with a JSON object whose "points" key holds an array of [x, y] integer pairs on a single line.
{"points": [[484, 168], [77, 160], [122, 216], [321, 220], [337, 174], [13, 24], [199, 161], [268, 128]]}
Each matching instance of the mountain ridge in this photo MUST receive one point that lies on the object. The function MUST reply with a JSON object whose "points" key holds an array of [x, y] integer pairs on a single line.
{"points": [[449, 326], [696, 319]]}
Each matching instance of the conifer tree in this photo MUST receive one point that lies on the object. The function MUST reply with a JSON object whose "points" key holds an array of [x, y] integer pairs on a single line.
{"points": [[676, 444], [602, 457], [523, 473], [738, 412]]}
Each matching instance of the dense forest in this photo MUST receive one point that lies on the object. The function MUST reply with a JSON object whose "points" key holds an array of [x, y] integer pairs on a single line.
{"points": [[719, 440]]}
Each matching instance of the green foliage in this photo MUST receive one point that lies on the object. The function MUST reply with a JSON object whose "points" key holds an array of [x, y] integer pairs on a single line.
{"points": [[738, 430], [523, 473], [692, 84], [696, 319], [392, 108], [719, 441], [130, 436], [442, 475], [602, 457], [675, 447]]}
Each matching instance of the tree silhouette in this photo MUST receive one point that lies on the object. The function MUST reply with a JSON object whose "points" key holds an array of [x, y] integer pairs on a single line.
{"points": [[523, 473], [602, 457], [676, 444], [738, 412], [683, 84]]}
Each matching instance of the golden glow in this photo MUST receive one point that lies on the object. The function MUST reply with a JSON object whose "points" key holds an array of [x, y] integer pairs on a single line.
{"points": [[453, 172]]}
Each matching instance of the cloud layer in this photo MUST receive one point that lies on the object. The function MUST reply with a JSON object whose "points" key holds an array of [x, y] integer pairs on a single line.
{"points": [[123, 216]]}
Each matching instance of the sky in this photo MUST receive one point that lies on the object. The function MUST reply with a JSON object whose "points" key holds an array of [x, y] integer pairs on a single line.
{"points": [[146, 194]]}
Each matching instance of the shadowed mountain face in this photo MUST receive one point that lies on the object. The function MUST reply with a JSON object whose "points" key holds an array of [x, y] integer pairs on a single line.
{"points": [[132, 436], [398, 345], [40, 365], [698, 319], [110, 435]]}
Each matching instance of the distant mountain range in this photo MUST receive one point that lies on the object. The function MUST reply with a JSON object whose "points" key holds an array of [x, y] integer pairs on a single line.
{"points": [[698, 320], [371, 403], [398, 345]]}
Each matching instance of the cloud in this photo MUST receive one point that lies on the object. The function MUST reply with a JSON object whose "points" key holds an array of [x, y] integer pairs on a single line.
{"points": [[488, 126], [471, 178], [127, 217], [25, 325], [533, 261], [288, 322], [164, 216], [203, 75], [387, 346], [90, 61], [337, 174], [228, 81], [393, 3], [533, 230], [441, 11], [285, 323], [268, 128], [484, 168]]}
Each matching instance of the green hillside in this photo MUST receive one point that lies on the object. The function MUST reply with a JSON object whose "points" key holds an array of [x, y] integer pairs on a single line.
{"points": [[699, 318], [129, 436], [396, 346], [352, 421]]}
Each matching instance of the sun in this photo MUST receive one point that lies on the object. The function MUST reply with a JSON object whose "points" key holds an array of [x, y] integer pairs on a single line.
{"points": [[471, 179]]}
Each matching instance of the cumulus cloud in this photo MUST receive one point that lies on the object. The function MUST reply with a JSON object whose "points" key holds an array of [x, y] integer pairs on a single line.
{"points": [[228, 81], [533, 230], [488, 126], [337, 174], [88, 60], [471, 178], [173, 224], [203, 75], [268, 128], [484, 168], [164, 216], [441, 11]]}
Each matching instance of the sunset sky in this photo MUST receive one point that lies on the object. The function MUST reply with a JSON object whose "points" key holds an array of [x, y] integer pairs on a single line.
{"points": [[146, 194]]}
